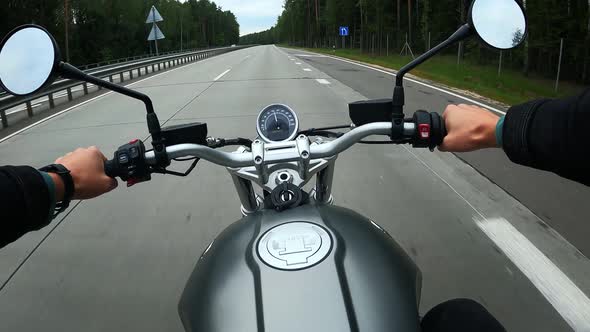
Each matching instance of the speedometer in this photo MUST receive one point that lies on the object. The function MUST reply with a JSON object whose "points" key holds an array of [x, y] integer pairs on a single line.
{"points": [[277, 123]]}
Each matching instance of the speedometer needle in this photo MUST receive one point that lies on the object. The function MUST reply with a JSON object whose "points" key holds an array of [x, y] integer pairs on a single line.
{"points": [[276, 120]]}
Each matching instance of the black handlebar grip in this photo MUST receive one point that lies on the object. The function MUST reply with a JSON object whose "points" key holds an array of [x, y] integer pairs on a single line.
{"points": [[439, 130], [109, 169]]}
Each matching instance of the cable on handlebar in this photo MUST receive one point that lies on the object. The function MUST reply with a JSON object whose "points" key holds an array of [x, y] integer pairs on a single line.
{"points": [[184, 159], [384, 142], [216, 143], [314, 131], [324, 133], [186, 173]]}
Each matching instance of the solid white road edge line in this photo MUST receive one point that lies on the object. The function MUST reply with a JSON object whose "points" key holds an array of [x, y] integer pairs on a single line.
{"points": [[93, 99], [221, 75], [571, 303], [567, 299], [306, 69], [322, 81], [421, 83]]}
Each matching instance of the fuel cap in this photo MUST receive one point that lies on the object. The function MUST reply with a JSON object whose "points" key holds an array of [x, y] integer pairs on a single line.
{"points": [[294, 246]]}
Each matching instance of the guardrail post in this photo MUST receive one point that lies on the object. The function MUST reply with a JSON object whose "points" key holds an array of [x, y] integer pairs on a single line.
{"points": [[69, 90], [138, 72], [159, 68], [131, 74], [51, 102], [85, 87], [4, 120], [153, 68], [121, 78], [29, 109], [111, 78]]}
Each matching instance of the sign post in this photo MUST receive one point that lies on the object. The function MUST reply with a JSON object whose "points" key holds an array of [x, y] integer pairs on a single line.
{"points": [[559, 65], [343, 32], [155, 34]]}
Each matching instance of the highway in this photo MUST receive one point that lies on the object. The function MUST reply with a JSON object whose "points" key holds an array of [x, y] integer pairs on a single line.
{"points": [[120, 262]]}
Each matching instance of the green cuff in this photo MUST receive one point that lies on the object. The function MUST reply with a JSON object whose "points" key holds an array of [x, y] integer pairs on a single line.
{"points": [[499, 131], [51, 189]]}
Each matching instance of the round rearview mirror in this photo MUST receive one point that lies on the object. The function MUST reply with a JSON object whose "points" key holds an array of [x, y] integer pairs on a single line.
{"points": [[499, 23], [28, 58]]}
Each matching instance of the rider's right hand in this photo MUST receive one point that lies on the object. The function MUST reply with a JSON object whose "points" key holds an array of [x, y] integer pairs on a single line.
{"points": [[469, 128]]}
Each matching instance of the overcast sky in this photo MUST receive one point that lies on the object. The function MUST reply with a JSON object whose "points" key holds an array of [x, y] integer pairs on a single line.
{"points": [[253, 15]]}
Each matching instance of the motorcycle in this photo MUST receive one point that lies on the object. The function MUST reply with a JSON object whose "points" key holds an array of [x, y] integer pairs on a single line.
{"points": [[294, 262]]}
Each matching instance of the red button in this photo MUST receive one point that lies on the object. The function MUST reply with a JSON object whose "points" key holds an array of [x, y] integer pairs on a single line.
{"points": [[134, 141], [424, 130]]}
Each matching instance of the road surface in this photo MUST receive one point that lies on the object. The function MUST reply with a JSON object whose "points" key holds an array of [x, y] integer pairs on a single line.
{"points": [[120, 262]]}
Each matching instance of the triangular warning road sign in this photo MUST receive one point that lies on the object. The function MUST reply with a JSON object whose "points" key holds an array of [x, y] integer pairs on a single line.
{"points": [[156, 33], [154, 16]]}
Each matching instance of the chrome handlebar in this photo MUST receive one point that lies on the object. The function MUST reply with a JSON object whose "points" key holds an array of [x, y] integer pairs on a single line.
{"points": [[316, 151]]}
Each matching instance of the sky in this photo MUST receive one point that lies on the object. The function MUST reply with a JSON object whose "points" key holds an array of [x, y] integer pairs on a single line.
{"points": [[253, 15]]}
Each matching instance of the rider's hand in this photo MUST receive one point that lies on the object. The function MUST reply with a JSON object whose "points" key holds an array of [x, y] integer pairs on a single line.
{"points": [[469, 128], [87, 169]]}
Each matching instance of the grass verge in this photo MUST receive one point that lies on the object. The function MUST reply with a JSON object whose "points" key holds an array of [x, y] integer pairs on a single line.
{"points": [[511, 87]]}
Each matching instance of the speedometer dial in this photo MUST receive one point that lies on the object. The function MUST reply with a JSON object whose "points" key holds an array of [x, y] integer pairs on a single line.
{"points": [[277, 123]]}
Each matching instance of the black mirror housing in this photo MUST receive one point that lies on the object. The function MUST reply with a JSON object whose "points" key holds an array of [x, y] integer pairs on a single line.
{"points": [[33, 45], [498, 24]]}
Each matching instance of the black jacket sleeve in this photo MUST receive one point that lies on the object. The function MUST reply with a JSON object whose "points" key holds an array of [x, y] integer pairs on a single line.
{"points": [[552, 135], [25, 200]]}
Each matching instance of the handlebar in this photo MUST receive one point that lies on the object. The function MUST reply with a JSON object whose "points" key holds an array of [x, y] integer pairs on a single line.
{"points": [[133, 164], [235, 160]]}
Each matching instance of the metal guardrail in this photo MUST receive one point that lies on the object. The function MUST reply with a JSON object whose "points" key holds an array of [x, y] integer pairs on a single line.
{"points": [[103, 64], [133, 58], [156, 64]]}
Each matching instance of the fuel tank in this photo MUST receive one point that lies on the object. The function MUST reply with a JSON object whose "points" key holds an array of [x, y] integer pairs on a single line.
{"points": [[312, 268]]}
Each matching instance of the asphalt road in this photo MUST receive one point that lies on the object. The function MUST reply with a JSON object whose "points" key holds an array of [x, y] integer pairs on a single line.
{"points": [[120, 262]]}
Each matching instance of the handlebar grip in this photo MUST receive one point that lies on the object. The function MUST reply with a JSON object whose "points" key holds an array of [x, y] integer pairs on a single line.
{"points": [[439, 128], [110, 169]]}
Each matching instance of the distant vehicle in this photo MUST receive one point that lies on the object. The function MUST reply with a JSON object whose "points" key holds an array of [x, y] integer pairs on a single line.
{"points": [[294, 262], [234, 45]]}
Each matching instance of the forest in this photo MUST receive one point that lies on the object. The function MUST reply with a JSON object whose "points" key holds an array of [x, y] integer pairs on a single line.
{"points": [[376, 24], [100, 30]]}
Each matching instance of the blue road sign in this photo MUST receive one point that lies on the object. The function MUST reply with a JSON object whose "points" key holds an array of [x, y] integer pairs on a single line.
{"points": [[343, 31]]}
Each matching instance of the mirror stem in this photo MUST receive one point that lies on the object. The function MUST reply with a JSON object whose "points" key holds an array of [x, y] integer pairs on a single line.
{"points": [[68, 71], [462, 33], [398, 101]]}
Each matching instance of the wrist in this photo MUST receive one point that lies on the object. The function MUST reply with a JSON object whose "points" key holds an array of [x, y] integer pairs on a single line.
{"points": [[499, 131], [484, 135], [59, 186]]}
